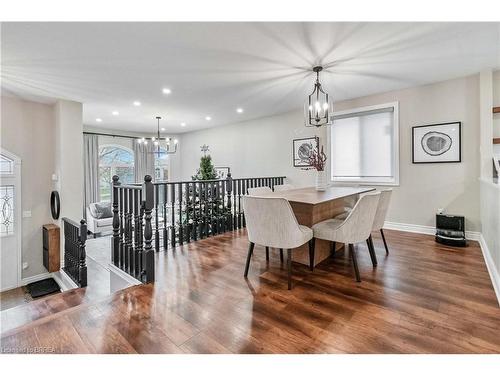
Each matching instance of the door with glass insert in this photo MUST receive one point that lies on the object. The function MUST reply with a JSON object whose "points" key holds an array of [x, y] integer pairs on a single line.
{"points": [[9, 221]]}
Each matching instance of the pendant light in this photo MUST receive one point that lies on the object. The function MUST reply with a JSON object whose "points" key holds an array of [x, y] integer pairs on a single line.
{"points": [[318, 107]]}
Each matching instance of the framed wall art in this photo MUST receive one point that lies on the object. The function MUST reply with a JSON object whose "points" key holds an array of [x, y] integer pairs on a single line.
{"points": [[302, 148], [438, 143], [222, 172]]}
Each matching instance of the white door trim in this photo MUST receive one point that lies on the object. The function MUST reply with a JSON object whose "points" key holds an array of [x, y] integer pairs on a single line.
{"points": [[18, 212]]}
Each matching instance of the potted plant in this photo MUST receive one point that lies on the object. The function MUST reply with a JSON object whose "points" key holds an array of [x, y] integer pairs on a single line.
{"points": [[318, 161]]}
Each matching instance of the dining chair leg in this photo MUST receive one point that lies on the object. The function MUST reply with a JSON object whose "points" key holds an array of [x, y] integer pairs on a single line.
{"points": [[312, 244], [371, 249], [354, 261], [289, 266], [385, 243], [333, 245], [267, 253], [281, 255], [249, 256]]}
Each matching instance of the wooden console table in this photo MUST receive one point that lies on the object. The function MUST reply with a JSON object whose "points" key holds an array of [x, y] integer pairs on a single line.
{"points": [[311, 207]]}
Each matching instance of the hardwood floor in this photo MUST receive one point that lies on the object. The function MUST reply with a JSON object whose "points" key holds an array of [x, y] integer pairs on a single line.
{"points": [[422, 298], [98, 282]]}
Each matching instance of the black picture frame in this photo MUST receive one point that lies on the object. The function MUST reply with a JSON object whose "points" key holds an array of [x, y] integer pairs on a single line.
{"points": [[295, 143], [437, 161]]}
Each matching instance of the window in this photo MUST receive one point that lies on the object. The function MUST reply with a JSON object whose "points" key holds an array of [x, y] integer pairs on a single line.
{"points": [[114, 160], [162, 166], [364, 145], [6, 165]]}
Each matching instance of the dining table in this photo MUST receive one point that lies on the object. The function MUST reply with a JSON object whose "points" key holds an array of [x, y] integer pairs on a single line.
{"points": [[311, 206]]}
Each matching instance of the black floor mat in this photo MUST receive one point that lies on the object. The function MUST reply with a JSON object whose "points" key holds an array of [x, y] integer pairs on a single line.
{"points": [[43, 287]]}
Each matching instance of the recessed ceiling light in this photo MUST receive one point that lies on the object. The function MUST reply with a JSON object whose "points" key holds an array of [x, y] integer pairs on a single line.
{"points": [[183, 124], [137, 103], [162, 129], [98, 119], [166, 91], [208, 118], [115, 113], [239, 110]]}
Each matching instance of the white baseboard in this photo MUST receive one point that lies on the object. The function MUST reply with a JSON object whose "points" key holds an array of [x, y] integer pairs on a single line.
{"points": [[425, 229], [125, 276], [490, 265], [64, 281], [32, 279]]}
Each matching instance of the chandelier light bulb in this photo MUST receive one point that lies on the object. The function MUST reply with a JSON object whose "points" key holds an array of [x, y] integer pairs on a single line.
{"points": [[176, 141], [153, 139], [156, 143]]}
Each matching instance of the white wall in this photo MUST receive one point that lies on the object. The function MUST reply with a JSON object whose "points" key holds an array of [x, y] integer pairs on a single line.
{"points": [[496, 103], [254, 148], [69, 159], [28, 130], [490, 190], [264, 147]]}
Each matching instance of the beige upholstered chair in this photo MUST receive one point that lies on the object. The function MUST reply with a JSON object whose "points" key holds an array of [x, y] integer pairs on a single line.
{"points": [[355, 228], [260, 191], [283, 187], [380, 215], [271, 222]]}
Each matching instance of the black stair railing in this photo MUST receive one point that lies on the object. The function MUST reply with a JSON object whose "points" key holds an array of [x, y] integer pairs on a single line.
{"points": [[168, 214], [75, 236], [131, 245]]}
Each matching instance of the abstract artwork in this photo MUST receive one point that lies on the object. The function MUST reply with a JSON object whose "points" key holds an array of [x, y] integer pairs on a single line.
{"points": [[438, 143], [302, 148]]}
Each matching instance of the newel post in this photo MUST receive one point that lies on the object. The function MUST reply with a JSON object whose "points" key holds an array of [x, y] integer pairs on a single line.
{"points": [[148, 190], [229, 189], [82, 266], [115, 244]]}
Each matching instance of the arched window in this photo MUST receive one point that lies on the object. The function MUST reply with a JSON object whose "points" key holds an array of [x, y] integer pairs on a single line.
{"points": [[162, 166], [114, 160]]}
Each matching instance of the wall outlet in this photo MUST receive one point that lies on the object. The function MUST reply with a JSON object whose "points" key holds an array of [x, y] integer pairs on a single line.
{"points": [[55, 177], [440, 211], [25, 265], [26, 213]]}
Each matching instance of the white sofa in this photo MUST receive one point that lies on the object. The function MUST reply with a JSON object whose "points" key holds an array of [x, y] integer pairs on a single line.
{"points": [[96, 225]]}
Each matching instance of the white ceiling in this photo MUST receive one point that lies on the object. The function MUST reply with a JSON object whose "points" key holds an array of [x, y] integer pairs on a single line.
{"points": [[213, 68]]}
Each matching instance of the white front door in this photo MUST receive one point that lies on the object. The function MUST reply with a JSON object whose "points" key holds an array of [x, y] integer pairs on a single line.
{"points": [[10, 220]]}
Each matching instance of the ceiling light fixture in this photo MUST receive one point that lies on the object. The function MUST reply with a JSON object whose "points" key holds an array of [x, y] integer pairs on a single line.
{"points": [[318, 107], [98, 119], [115, 113], [159, 150], [208, 118], [239, 110], [166, 91], [137, 103], [183, 124]]}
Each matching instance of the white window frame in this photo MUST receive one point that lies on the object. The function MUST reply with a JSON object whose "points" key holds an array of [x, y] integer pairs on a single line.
{"points": [[367, 180]]}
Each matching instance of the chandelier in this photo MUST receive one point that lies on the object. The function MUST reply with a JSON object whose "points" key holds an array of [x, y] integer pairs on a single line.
{"points": [[169, 144], [318, 107]]}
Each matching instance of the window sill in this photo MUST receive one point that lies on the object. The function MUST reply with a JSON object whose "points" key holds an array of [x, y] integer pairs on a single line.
{"points": [[363, 183]]}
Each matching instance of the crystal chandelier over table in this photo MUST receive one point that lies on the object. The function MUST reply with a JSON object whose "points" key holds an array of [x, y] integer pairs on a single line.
{"points": [[318, 107], [162, 145]]}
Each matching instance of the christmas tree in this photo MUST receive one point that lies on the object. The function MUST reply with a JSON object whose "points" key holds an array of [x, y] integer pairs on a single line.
{"points": [[206, 170]]}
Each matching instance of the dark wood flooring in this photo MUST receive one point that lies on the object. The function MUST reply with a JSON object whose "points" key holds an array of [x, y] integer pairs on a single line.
{"points": [[422, 298]]}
